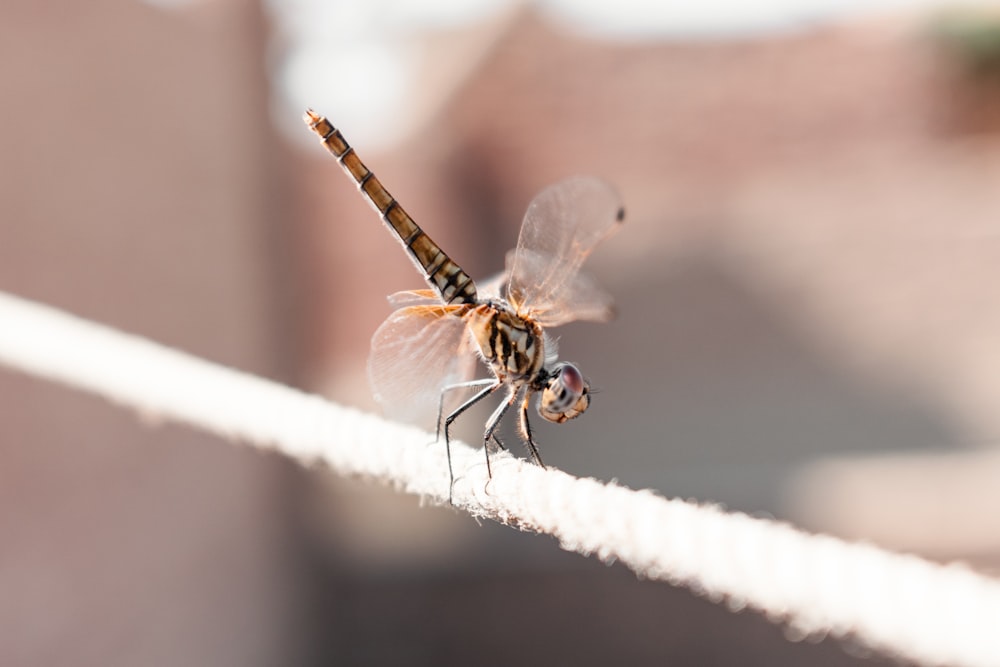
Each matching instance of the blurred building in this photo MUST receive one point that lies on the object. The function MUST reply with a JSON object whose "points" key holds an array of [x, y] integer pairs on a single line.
{"points": [[804, 275], [806, 325]]}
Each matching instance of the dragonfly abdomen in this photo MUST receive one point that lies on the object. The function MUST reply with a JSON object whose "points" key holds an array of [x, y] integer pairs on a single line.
{"points": [[441, 272]]}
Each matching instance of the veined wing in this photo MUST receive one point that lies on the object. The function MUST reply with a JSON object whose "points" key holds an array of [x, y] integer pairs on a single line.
{"points": [[495, 286], [415, 297], [415, 352], [561, 228], [579, 297]]}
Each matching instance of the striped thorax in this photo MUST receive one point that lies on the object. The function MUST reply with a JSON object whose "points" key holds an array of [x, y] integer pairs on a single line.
{"points": [[513, 346]]}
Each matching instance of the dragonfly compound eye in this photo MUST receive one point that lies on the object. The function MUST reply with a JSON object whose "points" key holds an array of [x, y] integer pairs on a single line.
{"points": [[566, 395]]}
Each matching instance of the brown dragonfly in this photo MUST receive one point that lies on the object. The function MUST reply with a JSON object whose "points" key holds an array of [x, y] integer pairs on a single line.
{"points": [[429, 346]]}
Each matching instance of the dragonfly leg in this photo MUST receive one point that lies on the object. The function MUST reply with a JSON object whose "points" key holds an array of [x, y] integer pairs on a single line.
{"points": [[529, 441], [486, 391], [491, 427], [499, 443], [485, 382]]}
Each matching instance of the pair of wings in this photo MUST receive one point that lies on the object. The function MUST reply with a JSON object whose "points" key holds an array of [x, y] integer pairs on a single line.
{"points": [[424, 346]]}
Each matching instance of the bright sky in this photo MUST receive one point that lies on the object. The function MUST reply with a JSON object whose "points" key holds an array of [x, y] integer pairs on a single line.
{"points": [[715, 18], [354, 58], [362, 44]]}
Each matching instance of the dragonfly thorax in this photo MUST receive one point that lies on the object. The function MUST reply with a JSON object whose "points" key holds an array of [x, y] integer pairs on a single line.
{"points": [[514, 346]]}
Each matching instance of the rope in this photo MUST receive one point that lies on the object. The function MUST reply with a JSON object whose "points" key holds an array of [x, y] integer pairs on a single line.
{"points": [[901, 605]]}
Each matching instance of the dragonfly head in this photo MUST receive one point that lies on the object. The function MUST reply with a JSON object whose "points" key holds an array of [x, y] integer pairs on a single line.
{"points": [[566, 394]]}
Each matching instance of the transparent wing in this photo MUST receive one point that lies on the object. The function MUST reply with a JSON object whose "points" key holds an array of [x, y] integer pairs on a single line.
{"points": [[495, 286], [415, 352], [561, 228], [416, 297], [579, 298]]}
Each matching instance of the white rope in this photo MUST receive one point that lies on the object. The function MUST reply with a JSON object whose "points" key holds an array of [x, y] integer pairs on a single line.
{"points": [[900, 605]]}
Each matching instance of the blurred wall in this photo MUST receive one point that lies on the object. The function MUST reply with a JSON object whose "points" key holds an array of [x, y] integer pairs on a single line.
{"points": [[137, 188]]}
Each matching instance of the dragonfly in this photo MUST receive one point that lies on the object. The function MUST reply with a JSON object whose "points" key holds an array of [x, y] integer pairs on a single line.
{"points": [[430, 346]]}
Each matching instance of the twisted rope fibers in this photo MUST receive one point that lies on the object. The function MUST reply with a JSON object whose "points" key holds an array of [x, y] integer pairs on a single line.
{"points": [[901, 605]]}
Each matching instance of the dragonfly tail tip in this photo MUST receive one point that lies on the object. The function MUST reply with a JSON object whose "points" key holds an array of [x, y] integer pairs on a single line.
{"points": [[311, 117]]}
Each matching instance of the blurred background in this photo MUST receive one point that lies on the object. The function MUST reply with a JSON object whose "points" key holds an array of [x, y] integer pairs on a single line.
{"points": [[806, 286]]}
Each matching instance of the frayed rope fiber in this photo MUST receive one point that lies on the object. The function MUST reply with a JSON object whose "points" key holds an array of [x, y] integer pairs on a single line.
{"points": [[901, 605]]}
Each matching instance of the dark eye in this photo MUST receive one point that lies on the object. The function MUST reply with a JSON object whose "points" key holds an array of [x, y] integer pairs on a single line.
{"points": [[565, 395], [570, 380]]}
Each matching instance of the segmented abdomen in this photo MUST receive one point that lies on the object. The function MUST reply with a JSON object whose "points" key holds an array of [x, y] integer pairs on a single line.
{"points": [[451, 282]]}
